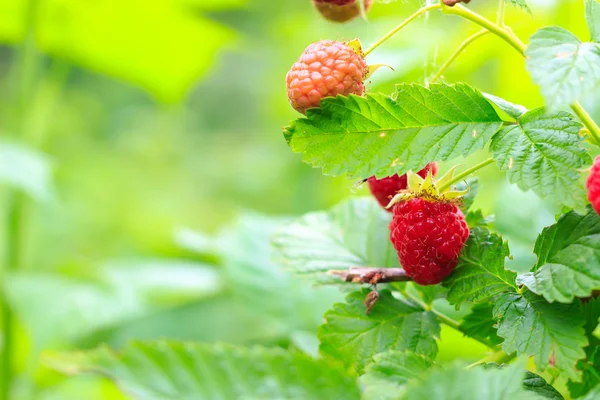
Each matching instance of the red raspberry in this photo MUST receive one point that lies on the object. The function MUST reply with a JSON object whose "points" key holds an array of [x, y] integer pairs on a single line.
{"points": [[326, 68], [428, 236], [386, 188], [340, 10], [593, 185]]}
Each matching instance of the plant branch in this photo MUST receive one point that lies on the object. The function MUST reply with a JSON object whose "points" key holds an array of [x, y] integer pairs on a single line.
{"points": [[506, 34], [397, 29], [500, 15], [372, 275], [466, 173], [458, 52]]}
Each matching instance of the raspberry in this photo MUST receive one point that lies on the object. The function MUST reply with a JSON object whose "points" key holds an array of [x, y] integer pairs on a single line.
{"points": [[593, 185], [326, 68], [340, 10], [428, 236], [386, 188], [452, 3]]}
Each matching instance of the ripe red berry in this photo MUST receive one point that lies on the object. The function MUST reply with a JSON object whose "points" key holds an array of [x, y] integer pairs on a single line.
{"points": [[593, 185], [326, 68], [386, 188], [340, 10], [428, 236]]}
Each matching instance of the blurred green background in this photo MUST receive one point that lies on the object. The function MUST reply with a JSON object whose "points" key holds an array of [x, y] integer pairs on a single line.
{"points": [[146, 135]]}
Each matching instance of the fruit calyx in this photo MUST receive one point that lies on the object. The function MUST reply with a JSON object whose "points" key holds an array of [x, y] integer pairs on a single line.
{"points": [[430, 189]]}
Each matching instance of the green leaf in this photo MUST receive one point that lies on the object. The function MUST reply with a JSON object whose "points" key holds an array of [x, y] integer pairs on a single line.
{"points": [[353, 233], [480, 274], [378, 135], [513, 110], [353, 337], [568, 259], [543, 153], [480, 324], [476, 218], [467, 201], [390, 371], [177, 370], [26, 170], [458, 383], [565, 68], [520, 3], [536, 384], [597, 330], [593, 395], [58, 309], [552, 333], [591, 364], [592, 16]]}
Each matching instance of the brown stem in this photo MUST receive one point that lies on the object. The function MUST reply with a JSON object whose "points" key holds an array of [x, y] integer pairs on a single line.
{"points": [[372, 276]]}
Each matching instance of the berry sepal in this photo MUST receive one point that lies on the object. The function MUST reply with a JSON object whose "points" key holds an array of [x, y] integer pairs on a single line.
{"points": [[429, 188]]}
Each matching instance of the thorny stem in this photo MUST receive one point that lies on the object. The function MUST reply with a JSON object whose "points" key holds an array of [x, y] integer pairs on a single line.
{"points": [[458, 52], [466, 173], [397, 29]]}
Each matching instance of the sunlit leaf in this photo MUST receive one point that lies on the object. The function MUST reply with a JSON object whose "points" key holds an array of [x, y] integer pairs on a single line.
{"points": [[378, 135]]}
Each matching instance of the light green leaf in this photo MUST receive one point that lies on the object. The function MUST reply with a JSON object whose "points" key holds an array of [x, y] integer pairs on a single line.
{"points": [[597, 330], [552, 333], [520, 3], [457, 383], [353, 337], [592, 16], [480, 324], [385, 378], [568, 259], [565, 68], [378, 135], [480, 274], [58, 309], [543, 153], [25, 169], [353, 233], [186, 371], [467, 201], [513, 110], [476, 218], [139, 41], [538, 385]]}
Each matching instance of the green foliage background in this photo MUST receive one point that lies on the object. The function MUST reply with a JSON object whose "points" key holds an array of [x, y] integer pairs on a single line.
{"points": [[160, 121]]}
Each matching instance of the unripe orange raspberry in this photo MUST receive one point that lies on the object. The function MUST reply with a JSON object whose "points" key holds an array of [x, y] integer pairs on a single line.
{"points": [[326, 68]]}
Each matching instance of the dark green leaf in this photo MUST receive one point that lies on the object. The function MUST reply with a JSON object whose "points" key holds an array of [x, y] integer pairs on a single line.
{"points": [[476, 218], [568, 259], [593, 395], [353, 337], [480, 324], [565, 68], [536, 384], [552, 333], [480, 274], [176, 370], [353, 233], [377, 135], [591, 364], [543, 153]]}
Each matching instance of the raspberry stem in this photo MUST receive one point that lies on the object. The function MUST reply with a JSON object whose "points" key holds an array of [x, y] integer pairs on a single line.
{"points": [[464, 174], [404, 23], [506, 34], [458, 52]]}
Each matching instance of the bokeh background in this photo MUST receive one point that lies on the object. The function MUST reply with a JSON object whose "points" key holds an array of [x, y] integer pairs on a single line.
{"points": [[146, 138]]}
